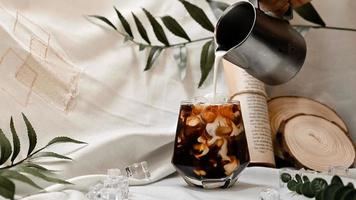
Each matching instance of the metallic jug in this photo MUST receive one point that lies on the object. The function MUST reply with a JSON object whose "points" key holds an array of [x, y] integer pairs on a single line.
{"points": [[268, 48]]}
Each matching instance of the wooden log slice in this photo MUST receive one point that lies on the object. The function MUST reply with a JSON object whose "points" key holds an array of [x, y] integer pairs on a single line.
{"points": [[283, 108], [316, 143]]}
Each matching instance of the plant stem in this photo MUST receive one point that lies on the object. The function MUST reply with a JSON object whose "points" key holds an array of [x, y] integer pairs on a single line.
{"points": [[23, 160], [162, 46], [326, 27], [211, 37]]}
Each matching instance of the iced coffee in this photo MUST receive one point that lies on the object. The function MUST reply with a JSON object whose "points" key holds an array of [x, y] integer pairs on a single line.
{"points": [[210, 146]]}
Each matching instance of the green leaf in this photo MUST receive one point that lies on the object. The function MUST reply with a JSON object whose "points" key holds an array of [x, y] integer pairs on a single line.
{"points": [[343, 191], [32, 136], [39, 174], [141, 29], [350, 185], [15, 141], [7, 188], [174, 27], [217, 7], [152, 56], [141, 47], [305, 179], [309, 13], [298, 188], [105, 20], [337, 180], [320, 195], [307, 191], [11, 174], [298, 178], [5, 148], [157, 28], [318, 184], [124, 23], [39, 167], [292, 185], [50, 154], [349, 195], [206, 61], [198, 15], [285, 177], [63, 139], [127, 38], [331, 190]]}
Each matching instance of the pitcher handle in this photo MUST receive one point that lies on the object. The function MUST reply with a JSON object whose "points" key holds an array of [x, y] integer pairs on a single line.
{"points": [[287, 16]]}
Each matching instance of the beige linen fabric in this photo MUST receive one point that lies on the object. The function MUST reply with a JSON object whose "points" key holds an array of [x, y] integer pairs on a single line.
{"points": [[74, 77]]}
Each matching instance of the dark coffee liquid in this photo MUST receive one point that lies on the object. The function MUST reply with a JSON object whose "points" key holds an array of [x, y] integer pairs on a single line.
{"points": [[210, 141]]}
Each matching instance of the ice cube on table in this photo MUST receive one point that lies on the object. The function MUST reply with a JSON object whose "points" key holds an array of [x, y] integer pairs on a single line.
{"points": [[94, 191], [138, 171], [269, 194]]}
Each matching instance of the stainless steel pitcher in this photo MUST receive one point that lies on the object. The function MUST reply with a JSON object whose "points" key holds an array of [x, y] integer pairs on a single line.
{"points": [[268, 48]]}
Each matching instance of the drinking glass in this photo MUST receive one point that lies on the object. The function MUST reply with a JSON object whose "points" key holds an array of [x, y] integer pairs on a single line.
{"points": [[210, 149]]}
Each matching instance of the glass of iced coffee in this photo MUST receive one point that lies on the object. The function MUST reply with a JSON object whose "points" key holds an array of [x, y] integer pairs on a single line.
{"points": [[210, 148]]}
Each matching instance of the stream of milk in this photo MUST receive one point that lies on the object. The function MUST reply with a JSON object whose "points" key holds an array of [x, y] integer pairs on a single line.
{"points": [[218, 57]]}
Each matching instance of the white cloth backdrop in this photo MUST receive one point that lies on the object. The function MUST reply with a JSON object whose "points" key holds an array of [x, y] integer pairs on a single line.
{"points": [[72, 77]]}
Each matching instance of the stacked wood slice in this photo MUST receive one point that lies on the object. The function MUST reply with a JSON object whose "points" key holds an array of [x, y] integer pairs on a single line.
{"points": [[309, 134]]}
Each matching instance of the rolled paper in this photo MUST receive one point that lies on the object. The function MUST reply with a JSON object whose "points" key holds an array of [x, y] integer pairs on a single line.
{"points": [[253, 99]]}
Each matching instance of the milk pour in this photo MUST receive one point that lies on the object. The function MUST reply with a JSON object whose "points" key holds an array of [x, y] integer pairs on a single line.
{"points": [[218, 57]]}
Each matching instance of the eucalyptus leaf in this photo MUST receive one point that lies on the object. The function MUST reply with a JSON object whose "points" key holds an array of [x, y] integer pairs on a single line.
{"points": [[15, 141], [5, 148], [7, 188], [124, 23], [349, 195], [141, 29], [41, 175], [174, 27], [206, 60], [305, 179], [298, 178], [198, 15], [105, 20], [285, 177], [298, 188], [11, 174], [343, 191], [217, 7], [318, 184], [32, 136], [292, 185], [63, 139], [157, 28], [50, 154], [307, 191], [320, 195], [309, 13], [152, 56], [330, 191], [337, 180]]}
